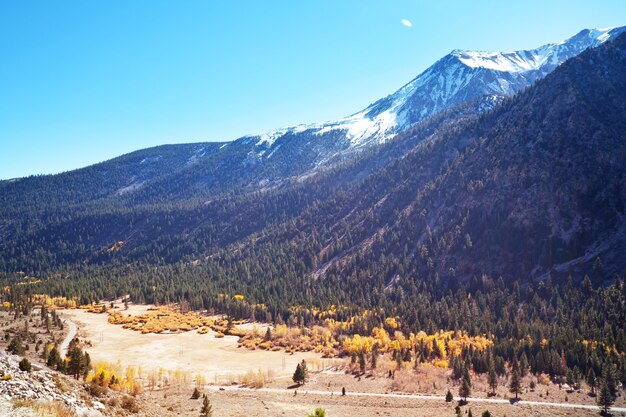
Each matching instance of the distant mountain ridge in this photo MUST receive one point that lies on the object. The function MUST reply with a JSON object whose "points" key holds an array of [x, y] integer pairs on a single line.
{"points": [[478, 80], [458, 77]]}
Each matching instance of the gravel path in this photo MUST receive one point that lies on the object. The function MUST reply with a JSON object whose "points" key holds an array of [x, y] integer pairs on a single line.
{"points": [[418, 397], [70, 336]]}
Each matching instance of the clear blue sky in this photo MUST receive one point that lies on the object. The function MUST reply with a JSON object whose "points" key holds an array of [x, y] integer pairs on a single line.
{"points": [[85, 81]]}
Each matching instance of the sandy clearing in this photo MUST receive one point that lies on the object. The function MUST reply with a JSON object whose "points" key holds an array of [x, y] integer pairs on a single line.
{"points": [[218, 359], [249, 402]]}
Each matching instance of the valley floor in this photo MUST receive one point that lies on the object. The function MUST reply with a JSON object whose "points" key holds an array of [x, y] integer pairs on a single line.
{"points": [[407, 392], [234, 401], [218, 359]]}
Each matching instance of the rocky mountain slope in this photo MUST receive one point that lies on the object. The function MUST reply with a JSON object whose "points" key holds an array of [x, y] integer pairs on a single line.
{"points": [[462, 76], [528, 187], [535, 187], [194, 171], [31, 393], [459, 77]]}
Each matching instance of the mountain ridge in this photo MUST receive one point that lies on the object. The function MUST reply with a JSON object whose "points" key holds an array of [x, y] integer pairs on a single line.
{"points": [[174, 218], [424, 96], [383, 114]]}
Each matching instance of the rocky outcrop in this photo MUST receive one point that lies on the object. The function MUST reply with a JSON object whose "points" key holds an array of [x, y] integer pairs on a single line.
{"points": [[39, 385]]}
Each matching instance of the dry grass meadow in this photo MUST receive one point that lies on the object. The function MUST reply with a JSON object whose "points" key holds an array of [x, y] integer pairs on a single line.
{"points": [[187, 359]]}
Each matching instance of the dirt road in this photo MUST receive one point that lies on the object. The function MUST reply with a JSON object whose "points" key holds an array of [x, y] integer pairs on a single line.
{"points": [[303, 390], [70, 335]]}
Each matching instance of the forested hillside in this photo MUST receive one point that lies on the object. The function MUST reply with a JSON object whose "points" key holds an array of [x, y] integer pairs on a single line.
{"points": [[534, 186]]}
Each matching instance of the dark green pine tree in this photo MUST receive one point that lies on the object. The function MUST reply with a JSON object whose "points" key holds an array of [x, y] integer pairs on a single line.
{"points": [[54, 358], [25, 365], [305, 371], [523, 364], [449, 397], [374, 360], [516, 380], [622, 373], [298, 375], [207, 408], [465, 390], [16, 347], [591, 380], [492, 376], [85, 365], [76, 359], [605, 398], [362, 362], [457, 368], [608, 377]]}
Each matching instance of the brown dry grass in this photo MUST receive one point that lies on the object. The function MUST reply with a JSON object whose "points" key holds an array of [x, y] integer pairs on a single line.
{"points": [[45, 408], [219, 360]]}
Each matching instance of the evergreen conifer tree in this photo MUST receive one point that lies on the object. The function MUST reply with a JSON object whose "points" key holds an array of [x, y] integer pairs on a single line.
{"points": [[605, 398], [516, 380], [207, 408]]}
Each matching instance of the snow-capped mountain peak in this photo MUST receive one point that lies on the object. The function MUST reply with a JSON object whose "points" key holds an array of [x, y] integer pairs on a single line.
{"points": [[532, 60], [459, 77], [497, 61]]}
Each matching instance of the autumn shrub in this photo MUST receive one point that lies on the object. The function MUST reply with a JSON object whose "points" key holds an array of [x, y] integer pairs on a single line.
{"points": [[111, 376], [25, 365], [129, 403], [255, 379], [95, 389]]}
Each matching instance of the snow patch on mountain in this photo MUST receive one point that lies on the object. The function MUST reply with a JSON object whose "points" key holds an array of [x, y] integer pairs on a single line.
{"points": [[130, 188], [149, 159], [196, 156], [459, 77], [532, 60]]}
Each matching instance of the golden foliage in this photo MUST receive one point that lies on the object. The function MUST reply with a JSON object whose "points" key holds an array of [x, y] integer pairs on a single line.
{"points": [[327, 339], [293, 339], [44, 300], [391, 322], [111, 376], [256, 379], [162, 319], [441, 363], [94, 308], [116, 246], [200, 381], [440, 345], [593, 345], [30, 282]]}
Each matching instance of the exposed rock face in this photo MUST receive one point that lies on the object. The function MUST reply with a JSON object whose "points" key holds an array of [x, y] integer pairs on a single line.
{"points": [[37, 385]]}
